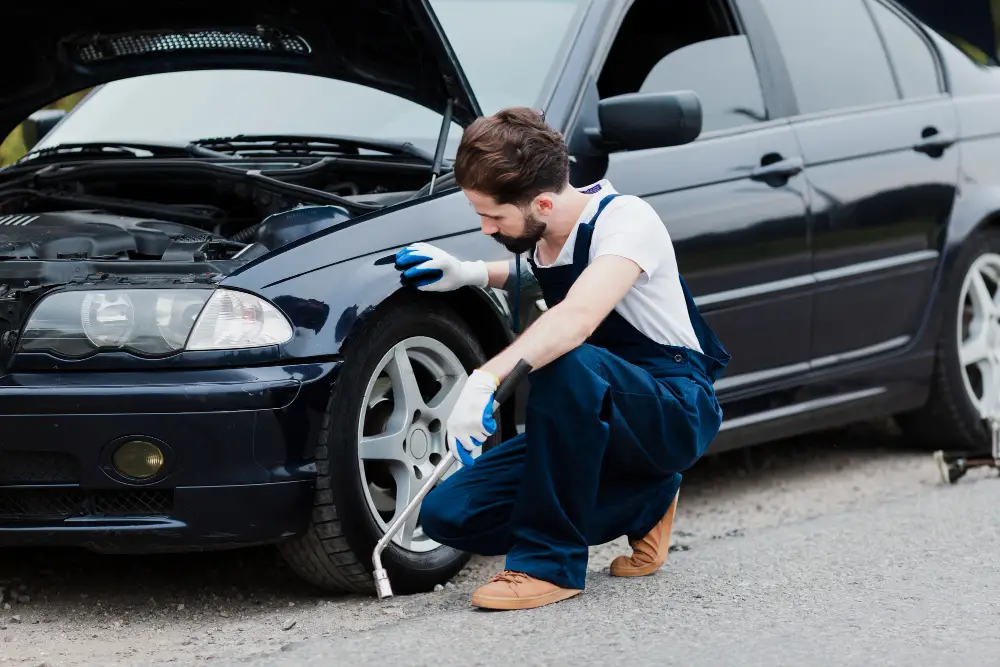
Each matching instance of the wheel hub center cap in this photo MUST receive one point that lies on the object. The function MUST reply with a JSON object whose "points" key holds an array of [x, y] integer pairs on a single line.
{"points": [[418, 443]]}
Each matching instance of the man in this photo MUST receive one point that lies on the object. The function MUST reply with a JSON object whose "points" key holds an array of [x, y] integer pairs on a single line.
{"points": [[621, 394]]}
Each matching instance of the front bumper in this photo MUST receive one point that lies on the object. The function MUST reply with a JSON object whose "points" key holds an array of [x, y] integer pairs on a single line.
{"points": [[239, 448]]}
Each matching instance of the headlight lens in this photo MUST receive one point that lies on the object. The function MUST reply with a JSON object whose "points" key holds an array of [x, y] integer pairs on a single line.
{"points": [[237, 319], [151, 322], [108, 318]]}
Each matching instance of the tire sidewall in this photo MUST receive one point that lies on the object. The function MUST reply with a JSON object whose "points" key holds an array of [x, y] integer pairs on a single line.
{"points": [[410, 571]]}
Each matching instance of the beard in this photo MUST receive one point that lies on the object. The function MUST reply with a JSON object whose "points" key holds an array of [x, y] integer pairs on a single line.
{"points": [[533, 230]]}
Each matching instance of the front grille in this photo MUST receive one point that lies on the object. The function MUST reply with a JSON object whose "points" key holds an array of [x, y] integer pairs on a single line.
{"points": [[50, 504], [17, 467], [98, 48], [132, 503]]}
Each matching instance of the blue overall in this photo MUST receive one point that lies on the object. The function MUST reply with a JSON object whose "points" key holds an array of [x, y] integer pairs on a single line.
{"points": [[609, 427]]}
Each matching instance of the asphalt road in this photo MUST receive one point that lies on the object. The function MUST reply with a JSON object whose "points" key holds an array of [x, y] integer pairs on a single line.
{"points": [[835, 549], [907, 581]]}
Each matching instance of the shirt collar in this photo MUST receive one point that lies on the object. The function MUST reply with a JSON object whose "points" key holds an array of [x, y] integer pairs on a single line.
{"points": [[598, 191]]}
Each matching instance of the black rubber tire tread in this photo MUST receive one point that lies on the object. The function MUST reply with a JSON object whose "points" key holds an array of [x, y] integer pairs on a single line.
{"points": [[948, 420], [322, 555], [335, 551]]}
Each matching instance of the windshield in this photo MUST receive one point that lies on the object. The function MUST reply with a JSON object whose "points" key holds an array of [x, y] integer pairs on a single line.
{"points": [[506, 66]]}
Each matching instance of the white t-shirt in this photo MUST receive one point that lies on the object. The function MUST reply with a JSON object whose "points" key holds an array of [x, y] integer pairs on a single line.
{"points": [[630, 227]]}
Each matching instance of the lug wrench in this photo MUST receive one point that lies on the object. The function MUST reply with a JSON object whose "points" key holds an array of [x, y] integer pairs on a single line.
{"points": [[954, 465], [503, 392]]}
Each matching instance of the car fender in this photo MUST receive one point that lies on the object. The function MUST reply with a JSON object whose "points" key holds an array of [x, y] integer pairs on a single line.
{"points": [[330, 282], [976, 205], [435, 219]]}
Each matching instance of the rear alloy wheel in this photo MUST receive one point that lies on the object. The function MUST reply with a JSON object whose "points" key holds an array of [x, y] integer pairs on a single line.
{"points": [[978, 333], [383, 435], [967, 365]]}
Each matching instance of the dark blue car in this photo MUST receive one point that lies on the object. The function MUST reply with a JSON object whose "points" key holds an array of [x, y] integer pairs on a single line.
{"points": [[204, 342]]}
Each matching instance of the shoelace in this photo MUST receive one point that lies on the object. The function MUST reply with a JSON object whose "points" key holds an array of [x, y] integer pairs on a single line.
{"points": [[510, 577]]}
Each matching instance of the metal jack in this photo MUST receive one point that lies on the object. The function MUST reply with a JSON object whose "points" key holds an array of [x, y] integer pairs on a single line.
{"points": [[503, 392], [954, 465]]}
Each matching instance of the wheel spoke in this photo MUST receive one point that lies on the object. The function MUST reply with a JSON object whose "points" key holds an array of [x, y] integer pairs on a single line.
{"points": [[990, 375], [405, 391], [383, 447], [976, 348], [981, 298], [443, 402], [437, 445], [407, 489]]}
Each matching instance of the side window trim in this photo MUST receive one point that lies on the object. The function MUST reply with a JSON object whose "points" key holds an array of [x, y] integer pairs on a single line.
{"points": [[885, 49], [909, 20], [775, 81]]}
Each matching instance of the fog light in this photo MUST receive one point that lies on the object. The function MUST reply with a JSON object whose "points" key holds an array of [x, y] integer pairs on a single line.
{"points": [[138, 459]]}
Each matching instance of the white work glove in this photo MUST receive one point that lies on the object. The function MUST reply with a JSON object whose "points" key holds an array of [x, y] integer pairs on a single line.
{"points": [[431, 269], [471, 420]]}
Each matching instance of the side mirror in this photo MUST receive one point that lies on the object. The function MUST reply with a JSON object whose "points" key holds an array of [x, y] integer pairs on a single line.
{"points": [[38, 124], [635, 121]]}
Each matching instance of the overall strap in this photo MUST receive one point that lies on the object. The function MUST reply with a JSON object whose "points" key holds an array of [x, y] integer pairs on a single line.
{"points": [[584, 235], [517, 293]]}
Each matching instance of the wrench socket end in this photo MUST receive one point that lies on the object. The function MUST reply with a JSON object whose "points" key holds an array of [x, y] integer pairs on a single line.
{"points": [[382, 586]]}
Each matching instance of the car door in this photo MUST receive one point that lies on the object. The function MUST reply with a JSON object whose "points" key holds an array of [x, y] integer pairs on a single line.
{"points": [[876, 127], [734, 199]]}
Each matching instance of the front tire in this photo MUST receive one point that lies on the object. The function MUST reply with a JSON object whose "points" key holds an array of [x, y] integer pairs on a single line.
{"points": [[382, 435], [967, 365]]}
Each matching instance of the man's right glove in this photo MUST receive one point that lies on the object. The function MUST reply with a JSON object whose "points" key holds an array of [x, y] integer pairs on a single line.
{"points": [[431, 269], [471, 421]]}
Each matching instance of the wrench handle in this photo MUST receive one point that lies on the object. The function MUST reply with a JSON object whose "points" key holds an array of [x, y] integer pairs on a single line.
{"points": [[510, 382]]}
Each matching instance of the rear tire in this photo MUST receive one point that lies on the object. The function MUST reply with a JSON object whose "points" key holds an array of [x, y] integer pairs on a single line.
{"points": [[950, 419], [351, 512]]}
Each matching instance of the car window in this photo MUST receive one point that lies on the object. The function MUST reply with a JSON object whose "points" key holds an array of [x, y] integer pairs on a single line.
{"points": [[698, 49], [912, 59], [722, 72], [833, 53]]}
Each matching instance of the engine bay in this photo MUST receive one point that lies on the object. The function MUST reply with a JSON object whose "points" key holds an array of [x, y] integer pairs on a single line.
{"points": [[188, 209], [94, 234]]}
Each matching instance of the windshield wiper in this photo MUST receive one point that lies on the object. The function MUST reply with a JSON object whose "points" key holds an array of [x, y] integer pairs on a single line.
{"points": [[268, 145], [110, 149]]}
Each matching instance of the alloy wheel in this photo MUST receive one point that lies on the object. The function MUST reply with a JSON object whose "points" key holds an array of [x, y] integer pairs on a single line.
{"points": [[401, 434], [979, 332]]}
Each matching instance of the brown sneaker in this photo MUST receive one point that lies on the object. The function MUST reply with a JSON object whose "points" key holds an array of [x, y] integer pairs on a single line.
{"points": [[516, 590], [649, 553]]}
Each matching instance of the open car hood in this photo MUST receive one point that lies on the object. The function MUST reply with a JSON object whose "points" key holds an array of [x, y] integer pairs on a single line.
{"points": [[394, 45]]}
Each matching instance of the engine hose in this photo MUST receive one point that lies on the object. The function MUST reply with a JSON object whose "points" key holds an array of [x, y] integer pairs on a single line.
{"points": [[245, 235]]}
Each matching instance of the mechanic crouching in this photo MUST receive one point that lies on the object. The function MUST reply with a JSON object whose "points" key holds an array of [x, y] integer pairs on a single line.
{"points": [[621, 396]]}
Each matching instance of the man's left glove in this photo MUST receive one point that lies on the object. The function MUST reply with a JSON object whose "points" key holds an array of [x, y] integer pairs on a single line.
{"points": [[471, 420]]}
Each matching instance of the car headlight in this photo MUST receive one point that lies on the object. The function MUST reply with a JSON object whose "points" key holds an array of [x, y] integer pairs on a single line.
{"points": [[152, 322], [236, 319]]}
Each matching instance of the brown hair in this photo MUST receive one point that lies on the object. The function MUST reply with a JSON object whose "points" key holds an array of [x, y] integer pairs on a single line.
{"points": [[512, 156]]}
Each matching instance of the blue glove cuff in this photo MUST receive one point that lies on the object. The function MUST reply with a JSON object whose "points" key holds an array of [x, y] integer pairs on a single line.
{"points": [[489, 423], [464, 456]]}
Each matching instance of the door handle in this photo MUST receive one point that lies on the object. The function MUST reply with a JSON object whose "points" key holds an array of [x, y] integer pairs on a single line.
{"points": [[781, 168], [933, 142]]}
